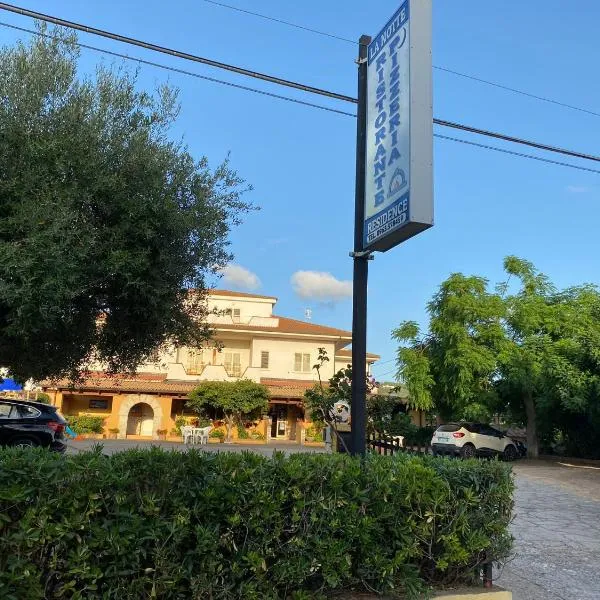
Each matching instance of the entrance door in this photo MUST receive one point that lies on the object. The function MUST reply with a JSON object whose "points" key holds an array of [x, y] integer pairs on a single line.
{"points": [[279, 417], [140, 420]]}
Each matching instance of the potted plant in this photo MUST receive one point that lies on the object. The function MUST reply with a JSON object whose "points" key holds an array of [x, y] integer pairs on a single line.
{"points": [[162, 434], [112, 433], [218, 435]]}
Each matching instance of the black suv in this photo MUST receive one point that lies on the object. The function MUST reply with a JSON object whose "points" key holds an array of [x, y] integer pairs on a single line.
{"points": [[30, 424]]}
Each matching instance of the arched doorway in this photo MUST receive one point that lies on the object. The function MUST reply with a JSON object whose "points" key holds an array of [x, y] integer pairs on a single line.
{"points": [[140, 420]]}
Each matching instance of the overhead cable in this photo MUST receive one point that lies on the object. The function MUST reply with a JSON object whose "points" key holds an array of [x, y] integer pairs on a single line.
{"points": [[184, 72], [437, 67], [513, 153], [279, 81], [171, 52]]}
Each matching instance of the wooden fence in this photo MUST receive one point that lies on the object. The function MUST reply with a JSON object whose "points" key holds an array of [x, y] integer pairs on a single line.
{"points": [[388, 445]]}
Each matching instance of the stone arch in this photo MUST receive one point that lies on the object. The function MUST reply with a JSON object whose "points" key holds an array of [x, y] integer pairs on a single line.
{"points": [[130, 401]]}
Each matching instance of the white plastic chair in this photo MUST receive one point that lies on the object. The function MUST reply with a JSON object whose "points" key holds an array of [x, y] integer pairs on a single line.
{"points": [[201, 434], [187, 433]]}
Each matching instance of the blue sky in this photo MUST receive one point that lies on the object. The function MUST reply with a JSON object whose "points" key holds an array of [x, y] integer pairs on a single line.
{"points": [[301, 160]]}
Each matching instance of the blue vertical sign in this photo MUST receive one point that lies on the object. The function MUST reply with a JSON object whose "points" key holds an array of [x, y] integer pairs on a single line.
{"points": [[398, 186]]}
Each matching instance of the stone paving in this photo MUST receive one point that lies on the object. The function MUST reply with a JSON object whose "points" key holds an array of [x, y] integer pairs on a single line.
{"points": [[557, 533]]}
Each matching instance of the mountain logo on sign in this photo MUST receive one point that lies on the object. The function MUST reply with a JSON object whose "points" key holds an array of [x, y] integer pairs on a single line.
{"points": [[397, 182]]}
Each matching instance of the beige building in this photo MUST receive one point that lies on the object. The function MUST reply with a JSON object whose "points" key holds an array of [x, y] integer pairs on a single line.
{"points": [[252, 343]]}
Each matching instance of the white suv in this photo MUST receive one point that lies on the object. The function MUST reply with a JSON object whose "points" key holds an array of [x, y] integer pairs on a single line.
{"points": [[473, 439]]}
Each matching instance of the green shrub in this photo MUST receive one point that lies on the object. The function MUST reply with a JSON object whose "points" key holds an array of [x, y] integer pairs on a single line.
{"points": [[421, 436], [241, 432], [257, 435], [217, 433], [314, 433], [86, 424], [42, 397], [156, 524]]}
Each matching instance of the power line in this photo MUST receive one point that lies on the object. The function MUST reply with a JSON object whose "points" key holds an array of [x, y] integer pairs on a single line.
{"points": [[439, 68], [277, 80], [517, 91], [516, 140], [171, 52], [184, 72], [282, 22], [513, 153], [286, 98]]}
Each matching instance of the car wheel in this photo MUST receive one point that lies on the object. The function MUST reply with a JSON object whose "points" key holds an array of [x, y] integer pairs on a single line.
{"points": [[24, 443], [468, 451], [510, 453]]}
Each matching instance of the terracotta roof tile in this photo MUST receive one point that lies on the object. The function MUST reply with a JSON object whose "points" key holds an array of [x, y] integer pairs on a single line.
{"points": [[348, 353], [288, 326], [100, 382], [287, 388], [238, 294], [105, 384]]}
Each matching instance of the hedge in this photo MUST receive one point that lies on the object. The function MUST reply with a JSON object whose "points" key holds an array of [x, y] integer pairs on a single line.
{"points": [[201, 525], [86, 423]]}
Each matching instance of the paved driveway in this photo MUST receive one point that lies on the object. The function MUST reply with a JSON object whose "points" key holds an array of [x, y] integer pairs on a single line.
{"points": [[557, 533]]}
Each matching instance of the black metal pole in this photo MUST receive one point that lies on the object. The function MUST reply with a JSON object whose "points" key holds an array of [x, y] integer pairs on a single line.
{"points": [[361, 268]]}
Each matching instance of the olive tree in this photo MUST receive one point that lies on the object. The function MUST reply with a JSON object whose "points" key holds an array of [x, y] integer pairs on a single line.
{"points": [[106, 222]]}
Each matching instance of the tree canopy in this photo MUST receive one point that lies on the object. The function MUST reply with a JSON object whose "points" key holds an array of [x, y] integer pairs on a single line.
{"points": [[232, 399], [532, 355], [106, 223]]}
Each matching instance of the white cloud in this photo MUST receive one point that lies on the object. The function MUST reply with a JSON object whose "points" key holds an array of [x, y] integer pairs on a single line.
{"points": [[238, 276], [577, 189], [320, 286]]}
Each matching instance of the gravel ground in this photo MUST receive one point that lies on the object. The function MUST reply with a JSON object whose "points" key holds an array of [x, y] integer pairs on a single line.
{"points": [[557, 533]]}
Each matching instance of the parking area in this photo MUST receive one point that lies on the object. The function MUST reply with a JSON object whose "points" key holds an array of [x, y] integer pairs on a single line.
{"points": [[557, 532]]}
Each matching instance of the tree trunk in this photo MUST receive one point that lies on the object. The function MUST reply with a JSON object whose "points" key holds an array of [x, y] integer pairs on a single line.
{"points": [[229, 420], [532, 436]]}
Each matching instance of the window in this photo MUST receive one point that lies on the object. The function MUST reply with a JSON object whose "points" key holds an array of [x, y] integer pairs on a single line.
{"points": [[301, 362], [98, 402], [194, 363], [28, 412], [233, 364], [264, 360], [236, 315], [8, 411]]}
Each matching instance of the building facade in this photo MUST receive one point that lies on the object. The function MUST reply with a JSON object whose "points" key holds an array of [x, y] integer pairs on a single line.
{"points": [[250, 342]]}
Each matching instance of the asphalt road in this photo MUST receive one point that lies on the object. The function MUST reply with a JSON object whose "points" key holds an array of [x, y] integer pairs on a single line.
{"points": [[557, 533]]}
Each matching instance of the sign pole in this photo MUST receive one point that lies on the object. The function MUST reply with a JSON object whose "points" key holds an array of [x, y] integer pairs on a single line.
{"points": [[361, 267]]}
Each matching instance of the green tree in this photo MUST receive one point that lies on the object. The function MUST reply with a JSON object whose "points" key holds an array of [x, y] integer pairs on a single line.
{"points": [[452, 367], [533, 355], [105, 221], [231, 399]]}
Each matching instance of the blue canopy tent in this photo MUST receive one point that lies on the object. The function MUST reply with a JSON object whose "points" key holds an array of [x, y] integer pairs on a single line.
{"points": [[10, 385]]}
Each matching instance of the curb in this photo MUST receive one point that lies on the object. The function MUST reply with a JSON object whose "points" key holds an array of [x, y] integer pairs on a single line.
{"points": [[495, 593], [574, 461]]}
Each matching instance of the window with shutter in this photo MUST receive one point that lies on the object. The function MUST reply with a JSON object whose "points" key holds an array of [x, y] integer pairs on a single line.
{"points": [[301, 362], [194, 361], [306, 363], [264, 360], [233, 364], [236, 315]]}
